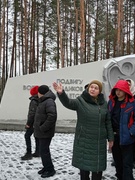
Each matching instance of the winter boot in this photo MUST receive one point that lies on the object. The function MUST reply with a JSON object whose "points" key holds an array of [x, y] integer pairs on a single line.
{"points": [[26, 157], [48, 174]]}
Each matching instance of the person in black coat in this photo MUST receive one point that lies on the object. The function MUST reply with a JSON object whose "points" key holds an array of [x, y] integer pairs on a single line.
{"points": [[44, 128], [29, 126]]}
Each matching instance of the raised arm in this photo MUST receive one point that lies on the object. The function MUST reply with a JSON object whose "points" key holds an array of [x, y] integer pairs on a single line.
{"points": [[58, 88], [63, 97]]}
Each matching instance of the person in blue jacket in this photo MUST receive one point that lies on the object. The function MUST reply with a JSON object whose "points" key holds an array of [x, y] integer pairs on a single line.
{"points": [[122, 108]]}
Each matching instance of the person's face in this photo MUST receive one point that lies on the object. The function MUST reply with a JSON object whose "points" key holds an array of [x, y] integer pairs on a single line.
{"points": [[120, 94], [93, 90]]}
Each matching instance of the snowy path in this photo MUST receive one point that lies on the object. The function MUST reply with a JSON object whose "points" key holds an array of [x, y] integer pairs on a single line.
{"points": [[12, 147]]}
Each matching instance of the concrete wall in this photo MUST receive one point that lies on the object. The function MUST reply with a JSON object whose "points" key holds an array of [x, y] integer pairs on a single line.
{"points": [[15, 100]]}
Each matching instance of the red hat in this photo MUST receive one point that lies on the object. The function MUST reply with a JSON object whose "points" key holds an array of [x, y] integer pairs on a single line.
{"points": [[34, 90]]}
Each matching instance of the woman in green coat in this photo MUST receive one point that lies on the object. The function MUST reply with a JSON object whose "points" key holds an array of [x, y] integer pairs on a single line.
{"points": [[93, 129]]}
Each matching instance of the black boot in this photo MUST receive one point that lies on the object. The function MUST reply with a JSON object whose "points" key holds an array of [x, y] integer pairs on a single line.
{"points": [[48, 165], [36, 154], [41, 171], [26, 157], [48, 174]]}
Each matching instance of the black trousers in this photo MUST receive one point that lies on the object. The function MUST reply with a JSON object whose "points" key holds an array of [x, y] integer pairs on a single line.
{"points": [[123, 158], [84, 175], [44, 147], [134, 152], [28, 134]]}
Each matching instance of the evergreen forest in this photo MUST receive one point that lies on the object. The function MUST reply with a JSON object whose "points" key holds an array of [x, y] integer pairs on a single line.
{"points": [[41, 35]]}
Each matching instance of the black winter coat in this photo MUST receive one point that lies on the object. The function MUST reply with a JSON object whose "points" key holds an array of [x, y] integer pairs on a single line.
{"points": [[32, 110], [46, 116]]}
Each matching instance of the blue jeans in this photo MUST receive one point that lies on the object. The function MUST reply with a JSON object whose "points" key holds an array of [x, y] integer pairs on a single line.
{"points": [[28, 134], [44, 147], [123, 158]]}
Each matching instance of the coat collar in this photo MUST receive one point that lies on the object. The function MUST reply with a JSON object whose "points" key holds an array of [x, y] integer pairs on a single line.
{"points": [[88, 98]]}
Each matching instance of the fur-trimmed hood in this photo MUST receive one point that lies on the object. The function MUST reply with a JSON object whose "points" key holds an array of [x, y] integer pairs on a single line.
{"points": [[132, 86]]}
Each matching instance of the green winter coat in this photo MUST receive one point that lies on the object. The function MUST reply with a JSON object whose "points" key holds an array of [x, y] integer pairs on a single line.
{"points": [[92, 131]]}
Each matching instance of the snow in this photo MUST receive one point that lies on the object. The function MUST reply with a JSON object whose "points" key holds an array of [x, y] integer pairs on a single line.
{"points": [[12, 147]]}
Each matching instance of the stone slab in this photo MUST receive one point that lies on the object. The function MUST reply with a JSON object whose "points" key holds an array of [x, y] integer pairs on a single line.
{"points": [[62, 126]]}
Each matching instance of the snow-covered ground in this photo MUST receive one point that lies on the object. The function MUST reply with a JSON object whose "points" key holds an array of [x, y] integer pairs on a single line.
{"points": [[12, 147]]}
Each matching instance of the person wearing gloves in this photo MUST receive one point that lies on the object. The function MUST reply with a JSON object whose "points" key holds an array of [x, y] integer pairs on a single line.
{"points": [[122, 108], [93, 129], [44, 128], [29, 126]]}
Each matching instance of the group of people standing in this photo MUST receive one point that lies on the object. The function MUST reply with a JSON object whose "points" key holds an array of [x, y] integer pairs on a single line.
{"points": [[98, 122]]}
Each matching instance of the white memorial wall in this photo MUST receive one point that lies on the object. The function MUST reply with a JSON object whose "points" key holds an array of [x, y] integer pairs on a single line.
{"points": [[15, 100]]}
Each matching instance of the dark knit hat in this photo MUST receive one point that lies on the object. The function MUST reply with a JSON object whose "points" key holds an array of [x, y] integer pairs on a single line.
{"points": [[43, 89], [98, 83], [34, 90]]}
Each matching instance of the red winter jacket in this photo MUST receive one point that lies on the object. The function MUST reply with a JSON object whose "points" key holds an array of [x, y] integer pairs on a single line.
{"points": [[127, 114]]}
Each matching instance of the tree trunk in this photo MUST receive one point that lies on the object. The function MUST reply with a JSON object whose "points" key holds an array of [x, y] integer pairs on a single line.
{"points": [[43, 67], [96, 32], [13, 57], [107, 34], [82, 29], [76, 34], [25, 46], [120, 28], [60, 34]]}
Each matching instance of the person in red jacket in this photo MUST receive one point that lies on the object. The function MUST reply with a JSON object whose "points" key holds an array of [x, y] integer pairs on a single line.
{"points": [[122, 108], [29, 126]]}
